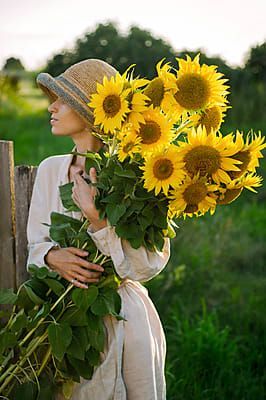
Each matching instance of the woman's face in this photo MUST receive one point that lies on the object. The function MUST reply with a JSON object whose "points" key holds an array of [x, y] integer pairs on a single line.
{"points": [[64, 120]]}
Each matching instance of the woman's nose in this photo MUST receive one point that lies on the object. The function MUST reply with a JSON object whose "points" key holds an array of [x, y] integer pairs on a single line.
{"points": [[52, 107]]}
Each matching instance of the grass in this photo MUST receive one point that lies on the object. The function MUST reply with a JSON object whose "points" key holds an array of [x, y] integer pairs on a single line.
{"points": [[211, 296]]}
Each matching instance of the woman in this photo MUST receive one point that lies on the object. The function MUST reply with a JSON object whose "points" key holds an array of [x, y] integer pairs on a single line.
{"points": [[132, 364]]}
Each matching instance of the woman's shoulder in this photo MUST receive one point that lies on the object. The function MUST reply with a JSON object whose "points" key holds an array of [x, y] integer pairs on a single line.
{"points": [[52, 161], [52, 164]]}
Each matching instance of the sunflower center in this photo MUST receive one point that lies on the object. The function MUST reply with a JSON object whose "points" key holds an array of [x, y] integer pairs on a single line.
{"points": [[202, 159], [155, 91], [195, 193], [163, 168], [243, 156], [111, 105], [193, 93], [149, 132], [211, 119], [128, 146]]}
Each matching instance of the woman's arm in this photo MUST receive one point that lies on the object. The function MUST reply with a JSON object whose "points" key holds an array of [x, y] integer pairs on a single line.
{"points": [[136, 264], [39, 242]]}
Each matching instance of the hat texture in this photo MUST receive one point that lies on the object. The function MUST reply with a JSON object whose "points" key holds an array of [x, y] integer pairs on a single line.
{"points": [[76, 84]]}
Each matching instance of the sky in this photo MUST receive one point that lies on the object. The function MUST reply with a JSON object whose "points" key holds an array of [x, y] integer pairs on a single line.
{"points": [[34, 30]]}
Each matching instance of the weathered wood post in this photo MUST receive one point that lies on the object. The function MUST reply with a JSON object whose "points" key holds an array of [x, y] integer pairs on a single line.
{"points": [[7, 216], [24, 179], [16, 185]]}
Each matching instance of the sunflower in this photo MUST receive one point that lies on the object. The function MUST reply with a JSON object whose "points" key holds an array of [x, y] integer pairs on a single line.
{"points": [[208, 154], [161, 89], [138, 101], [128, 146], [156, 131], [194, 196], [162, 169], [211, 118], [110, 103], [249, 152], [199, 87]]}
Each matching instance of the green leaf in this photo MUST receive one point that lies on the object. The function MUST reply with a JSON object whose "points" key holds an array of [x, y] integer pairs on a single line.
{"points": [[32, 295], [79, 343], [96, 333], [42, 273], [137, 241], [58, 219], [7, 340], [57, 287], [19, 322], [47, 388], [144, 221], [42, 313], [100, 307], [114, 197], [83, 368], [74, 317], [93, 356], [66, 197], [26, 390], [84, 298], [108, 303], [92, 161], [60, 336], [115, 212], [127, 230], [7, 296], [125, 173]]}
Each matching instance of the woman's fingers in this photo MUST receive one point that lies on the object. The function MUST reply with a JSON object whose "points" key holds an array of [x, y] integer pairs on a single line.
{"points": [[75, 281], [93, 175], [78, 252], [85, 273], [86, 264]]}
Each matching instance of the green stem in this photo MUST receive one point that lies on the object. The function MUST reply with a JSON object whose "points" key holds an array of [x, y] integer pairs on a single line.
{"points": [[45, 360], [8, 371], [14, 367]]}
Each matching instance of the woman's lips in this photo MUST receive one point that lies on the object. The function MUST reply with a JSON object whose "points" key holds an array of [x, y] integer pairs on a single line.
{"points": [[52, 121]]}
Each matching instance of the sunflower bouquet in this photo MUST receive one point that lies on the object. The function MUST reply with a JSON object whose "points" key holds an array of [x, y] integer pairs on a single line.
{"points": [[166, 155]]}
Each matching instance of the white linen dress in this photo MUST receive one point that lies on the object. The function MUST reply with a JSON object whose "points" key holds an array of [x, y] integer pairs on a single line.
{"points": [[133, 361]]}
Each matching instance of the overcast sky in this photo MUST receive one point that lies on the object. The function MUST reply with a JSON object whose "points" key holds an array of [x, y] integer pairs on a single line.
{"points": [[33, 30]]}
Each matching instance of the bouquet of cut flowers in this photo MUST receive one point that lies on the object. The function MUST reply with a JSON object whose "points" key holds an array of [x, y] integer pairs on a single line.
{"points": [[164, 158]]}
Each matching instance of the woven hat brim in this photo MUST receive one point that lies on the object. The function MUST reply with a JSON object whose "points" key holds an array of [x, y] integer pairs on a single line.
{"points": [[60, 87]]}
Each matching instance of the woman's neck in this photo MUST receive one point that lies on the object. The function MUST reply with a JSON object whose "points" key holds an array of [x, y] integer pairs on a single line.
{"points": [[84, 144]]}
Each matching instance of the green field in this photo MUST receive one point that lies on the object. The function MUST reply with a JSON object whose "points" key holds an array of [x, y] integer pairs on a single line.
{"points": [[211, 296]]}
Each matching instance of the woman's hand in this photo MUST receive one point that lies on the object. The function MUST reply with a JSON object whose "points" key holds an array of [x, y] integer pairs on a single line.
{"points": [[83, 195], [68, 262]]}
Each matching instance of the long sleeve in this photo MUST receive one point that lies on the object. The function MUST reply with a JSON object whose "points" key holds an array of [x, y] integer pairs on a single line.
{"points": [[136, 264], [39, 242]]}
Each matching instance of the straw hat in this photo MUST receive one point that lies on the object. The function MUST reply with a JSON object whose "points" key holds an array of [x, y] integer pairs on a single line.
{"points": [[76, 84]]}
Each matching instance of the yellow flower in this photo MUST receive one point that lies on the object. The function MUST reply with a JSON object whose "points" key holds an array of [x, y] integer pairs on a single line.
{"points": [[209, 154], [161, 89], [138, 102], [249, 152], [129, 145], [156, 132], [162, 169], [194, 196], [235, 187], [199, 87], [211, 118], [110, 104]]}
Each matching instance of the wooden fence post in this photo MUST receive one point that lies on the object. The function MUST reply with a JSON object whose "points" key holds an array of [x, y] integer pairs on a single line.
{"points": [[24, 179], [7, 216], [16, 185]]}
